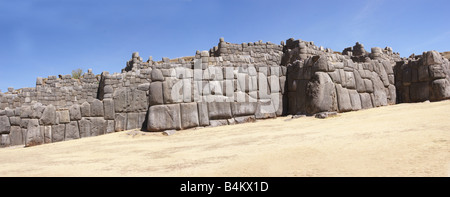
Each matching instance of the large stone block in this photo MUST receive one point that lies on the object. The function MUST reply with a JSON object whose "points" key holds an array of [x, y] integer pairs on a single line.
{"points": [[64, 116], [265, 109], [320, 94], [47, 134], [15, 121], [156, 93], [58, 132], [355, 100], [157, 75], [366, 101], [120, 122], [440, 89], [343, 98], [110, 128], [75, 112], [97, 109], [72, 131], [108, 105], [5, 125], [98, 126], [84, 127], [379, 91], [189, 115], [437, 71], [203, 115], [368, 85], [85, 109], [219, 110], [243, 108], [16, 136], [350, 80], [432, 57], [172, 90], [34, 135], [359, 82], [120, 100], [5, 140], [164, 117], [132, 121]]}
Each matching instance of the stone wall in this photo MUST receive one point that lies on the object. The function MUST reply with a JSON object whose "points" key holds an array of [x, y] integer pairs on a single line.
{"points": [[421, 78], [229, 84]]}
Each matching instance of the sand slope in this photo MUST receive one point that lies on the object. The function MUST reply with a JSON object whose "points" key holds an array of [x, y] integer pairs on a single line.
{"points": [[400, 140]]}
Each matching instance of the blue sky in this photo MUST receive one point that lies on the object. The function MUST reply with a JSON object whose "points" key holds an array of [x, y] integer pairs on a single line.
{"points": [[39, 38]]}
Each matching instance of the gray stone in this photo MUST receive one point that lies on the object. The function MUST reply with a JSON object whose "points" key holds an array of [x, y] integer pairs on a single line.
{"points": [[423, 73], [156, 93], [72, 131], [441, 89], [15, 121], [64, 116], [219, 110], [359, 82], [243, 108], [97, 109], [343, 98], [392, 95], [38, 109], [109, 111], [132, 121], [368, 85], [169, 132], [120, 122], [34, 135], [157, 75], [189, 115], [85, 109], [5, 140], [172, 90], [49, 115], [216, 123], [26, 112], [143, 87], [245, 119], [120, 100], [320, 63], [5, 125], [265, 109], [16, 136], [164, 117], [320, 94], [379, 92], [58, 132], [355, 100], [75, 112], [47, 134], [98, 126], [203, 115], [350, 80], [437, 71], [84, 127], [110, 127], [432, 57]]}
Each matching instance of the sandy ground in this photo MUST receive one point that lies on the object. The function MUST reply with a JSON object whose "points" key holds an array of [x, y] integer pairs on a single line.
{"points": [[400, 140]]}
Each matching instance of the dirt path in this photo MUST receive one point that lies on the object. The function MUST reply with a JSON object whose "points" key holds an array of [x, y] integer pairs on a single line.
{"points": [[400, 140]]}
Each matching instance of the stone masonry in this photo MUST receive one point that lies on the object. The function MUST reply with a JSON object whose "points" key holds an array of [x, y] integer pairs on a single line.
{"points": [[229, 84]]}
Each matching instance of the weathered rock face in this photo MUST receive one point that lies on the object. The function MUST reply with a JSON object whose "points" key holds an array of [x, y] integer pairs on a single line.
{"points": [[422, 78]]}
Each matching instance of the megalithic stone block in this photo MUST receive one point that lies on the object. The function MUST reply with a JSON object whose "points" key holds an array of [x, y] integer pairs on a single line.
{"points": [[97, 109], [156, 93], [5, 125], [120, 122], [189, 115], [58, 132], [108, 105], [34, 135], [72, 131], [164, 117], [203, 114]]}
